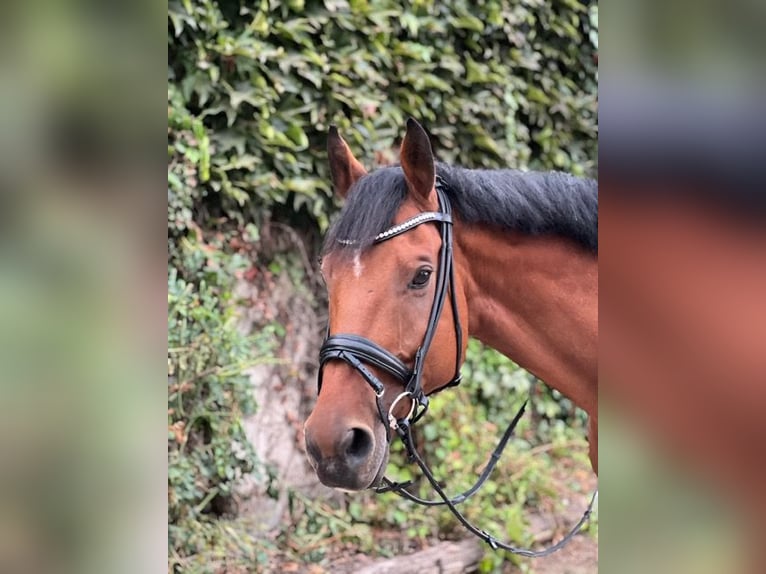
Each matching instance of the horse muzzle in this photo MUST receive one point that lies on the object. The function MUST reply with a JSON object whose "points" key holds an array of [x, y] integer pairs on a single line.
{"points": [[352, 459]]}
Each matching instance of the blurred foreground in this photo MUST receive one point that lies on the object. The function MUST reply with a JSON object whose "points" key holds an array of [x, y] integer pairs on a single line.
{"points": [[682, 315]]}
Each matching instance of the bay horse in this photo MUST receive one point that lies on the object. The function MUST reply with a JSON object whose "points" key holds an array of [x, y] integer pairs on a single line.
{"points": [[522, 277]]}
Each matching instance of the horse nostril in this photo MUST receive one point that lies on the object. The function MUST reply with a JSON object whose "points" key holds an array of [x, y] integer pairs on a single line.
{"points": [[358, 444]]}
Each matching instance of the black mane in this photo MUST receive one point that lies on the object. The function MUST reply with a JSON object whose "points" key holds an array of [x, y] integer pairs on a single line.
{"points": [[534, 203]]}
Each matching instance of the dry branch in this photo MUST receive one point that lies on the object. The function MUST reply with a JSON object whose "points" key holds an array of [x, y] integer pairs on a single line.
{"points": [[443, 558]]}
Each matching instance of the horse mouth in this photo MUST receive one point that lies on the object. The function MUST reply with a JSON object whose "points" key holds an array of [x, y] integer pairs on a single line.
{"points": [[381, 472], [335, 473]]}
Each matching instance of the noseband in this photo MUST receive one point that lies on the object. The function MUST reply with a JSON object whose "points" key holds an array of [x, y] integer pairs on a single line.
{"points": [[358, 351]]}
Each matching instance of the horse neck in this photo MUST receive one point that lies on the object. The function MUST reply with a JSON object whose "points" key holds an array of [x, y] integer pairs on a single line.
{"points": [[534, 299]]}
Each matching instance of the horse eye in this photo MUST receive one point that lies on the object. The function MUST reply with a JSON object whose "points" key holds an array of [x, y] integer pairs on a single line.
{"points": [[421, 278]]}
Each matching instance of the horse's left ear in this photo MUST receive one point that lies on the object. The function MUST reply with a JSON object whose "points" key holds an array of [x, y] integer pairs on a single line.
{"points": [[417, 161]]}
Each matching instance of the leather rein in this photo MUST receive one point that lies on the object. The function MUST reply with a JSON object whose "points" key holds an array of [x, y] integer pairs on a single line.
{"points": [[359, 351]]}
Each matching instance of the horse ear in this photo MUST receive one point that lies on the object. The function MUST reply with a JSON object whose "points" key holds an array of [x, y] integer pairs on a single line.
{"points": [[344, 168], [417, 161]]}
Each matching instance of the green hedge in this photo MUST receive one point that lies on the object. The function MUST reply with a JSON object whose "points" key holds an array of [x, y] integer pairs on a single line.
{"points": [[208, 394], [252, 88]]}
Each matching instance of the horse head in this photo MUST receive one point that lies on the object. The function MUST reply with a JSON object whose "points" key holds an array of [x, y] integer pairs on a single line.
{"points": [[381, 264]]}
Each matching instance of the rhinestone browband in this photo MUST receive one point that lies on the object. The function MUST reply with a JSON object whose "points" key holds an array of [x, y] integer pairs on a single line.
{"points": [[405, 226]]}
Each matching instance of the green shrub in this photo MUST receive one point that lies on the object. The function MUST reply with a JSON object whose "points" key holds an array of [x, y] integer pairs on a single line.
{"points": [[252, 89], [208, 394], [500, 384]]}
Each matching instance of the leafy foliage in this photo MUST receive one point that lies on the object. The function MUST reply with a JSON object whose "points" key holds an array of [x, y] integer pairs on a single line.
{"points": [[208, 394], [253, 88]]}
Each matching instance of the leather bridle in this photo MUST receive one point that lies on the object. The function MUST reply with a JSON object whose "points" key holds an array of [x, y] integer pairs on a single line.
{"points": [[356, 350], [359, 351]]}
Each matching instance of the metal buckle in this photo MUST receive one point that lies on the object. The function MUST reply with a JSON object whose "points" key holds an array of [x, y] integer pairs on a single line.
{"points": [[391, 418]]}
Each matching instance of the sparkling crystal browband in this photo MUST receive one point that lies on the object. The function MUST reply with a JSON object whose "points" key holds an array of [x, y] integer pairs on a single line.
{"points": [[405, 226], [412, 222]]}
